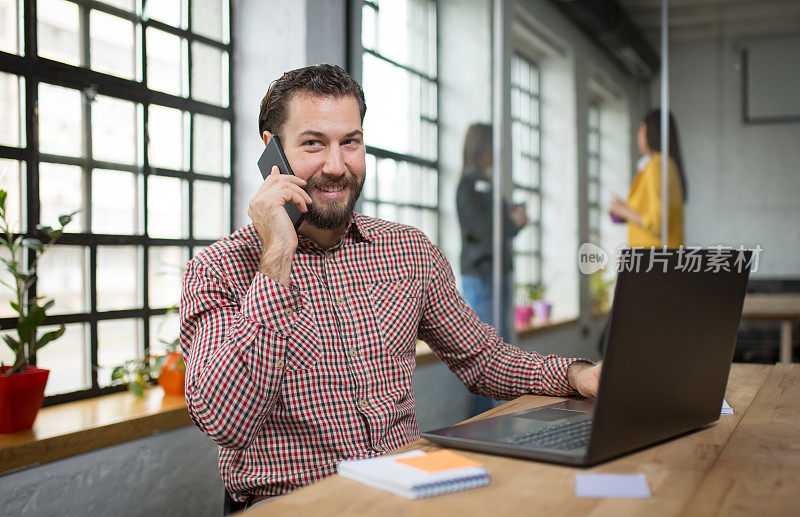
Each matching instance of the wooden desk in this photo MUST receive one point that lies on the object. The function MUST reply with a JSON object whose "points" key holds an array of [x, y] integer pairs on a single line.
{"points": [[784, 307], [747, 463]]}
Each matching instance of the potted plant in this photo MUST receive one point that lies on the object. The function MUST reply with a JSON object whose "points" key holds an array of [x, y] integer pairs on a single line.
{"points": [[523, 309], [599, 292], [541, 307], [21, 384], [168, 370]]}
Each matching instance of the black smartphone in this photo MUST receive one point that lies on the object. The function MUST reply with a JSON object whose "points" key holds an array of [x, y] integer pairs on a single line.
{"points": [[273, 155]]}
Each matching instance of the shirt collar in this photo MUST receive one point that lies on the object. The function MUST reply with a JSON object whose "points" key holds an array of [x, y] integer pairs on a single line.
{"points": [[357, 231]]}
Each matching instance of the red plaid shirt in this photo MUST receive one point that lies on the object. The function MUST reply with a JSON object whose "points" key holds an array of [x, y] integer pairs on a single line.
{"points": [[291, 380]]}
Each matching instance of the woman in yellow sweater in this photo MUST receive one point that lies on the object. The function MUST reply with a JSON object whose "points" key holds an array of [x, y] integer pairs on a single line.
{"points": [[642, 211]]}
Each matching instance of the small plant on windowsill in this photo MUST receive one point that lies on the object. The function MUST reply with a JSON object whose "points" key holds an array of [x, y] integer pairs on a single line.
{"points": [[600, 292], [168, 370], [22, 385], [541, 307]]}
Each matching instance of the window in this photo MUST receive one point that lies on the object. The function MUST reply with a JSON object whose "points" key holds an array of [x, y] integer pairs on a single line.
{"points": [[526, 168], [134, 130], [593, 173], [398, 41]]}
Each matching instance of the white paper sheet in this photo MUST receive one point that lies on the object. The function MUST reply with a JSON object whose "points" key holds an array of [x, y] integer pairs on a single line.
{"points": [[726, 409], [612, 485]]}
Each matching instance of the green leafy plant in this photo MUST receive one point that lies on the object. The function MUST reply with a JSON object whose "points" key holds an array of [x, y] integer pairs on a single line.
{"points": [[600, 290], [536, 292], [137, 374], [31, 312]]}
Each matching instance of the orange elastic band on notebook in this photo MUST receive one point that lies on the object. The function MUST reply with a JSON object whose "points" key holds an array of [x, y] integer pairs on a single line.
{"points": [[438, 461]]}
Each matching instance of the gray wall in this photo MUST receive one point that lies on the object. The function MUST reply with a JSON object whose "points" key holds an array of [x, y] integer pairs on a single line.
{"points": [[744, 180], [173, 473]]}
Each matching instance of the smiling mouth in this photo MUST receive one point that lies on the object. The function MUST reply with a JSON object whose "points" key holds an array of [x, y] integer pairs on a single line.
{"points": [[331, 192]]}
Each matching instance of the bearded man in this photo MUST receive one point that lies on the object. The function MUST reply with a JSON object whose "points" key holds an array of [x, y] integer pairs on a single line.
{"points": [[300, 345]]}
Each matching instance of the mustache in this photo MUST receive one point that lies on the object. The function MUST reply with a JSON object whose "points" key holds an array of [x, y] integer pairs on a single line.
{"points": [[323, 182]]}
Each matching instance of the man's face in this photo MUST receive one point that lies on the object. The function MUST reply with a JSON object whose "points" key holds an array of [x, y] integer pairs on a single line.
{"points": [[324, 143]]}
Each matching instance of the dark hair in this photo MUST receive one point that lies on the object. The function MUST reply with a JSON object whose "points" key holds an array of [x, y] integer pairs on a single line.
{"points": [[323, 80], [652, 132], [477, 141]]}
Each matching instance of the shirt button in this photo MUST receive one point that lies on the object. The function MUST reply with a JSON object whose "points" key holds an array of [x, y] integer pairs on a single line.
{"points": [[289, 312], [352, 351], [363, 403], [398, 287], [340, 301], [279, 365], [328, 254]]}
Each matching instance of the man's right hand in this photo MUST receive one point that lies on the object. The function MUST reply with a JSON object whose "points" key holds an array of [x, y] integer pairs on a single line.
{"points": [[278, 236]]}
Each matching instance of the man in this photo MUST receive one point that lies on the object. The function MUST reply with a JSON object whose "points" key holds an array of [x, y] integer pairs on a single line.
{"points": [[300, 346]]}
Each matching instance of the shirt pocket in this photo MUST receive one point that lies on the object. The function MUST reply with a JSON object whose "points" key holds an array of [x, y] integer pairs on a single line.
{"points": [[396, 306], [303, 348]]}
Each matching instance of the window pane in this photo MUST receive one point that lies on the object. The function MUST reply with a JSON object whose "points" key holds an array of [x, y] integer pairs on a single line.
{"points": [[167, 208], [67, 358], [166, 148], [211, 210], [62, 277], [112, 45], [166, 275], [12, 180], [212, 152], [114, 206], [164, 63], [118, 278], [113, 130], [209, 74], [122, 4], [117, 341], [58, 31], [406, 133], [406, 33], [59, 120], [60, 193], [163, 329], [210, 18], [11, 127], [6, 294], [167, 11], [9, 26]]}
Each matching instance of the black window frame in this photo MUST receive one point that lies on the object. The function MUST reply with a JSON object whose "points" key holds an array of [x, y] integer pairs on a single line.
{"points": [[535, 223], [593, 181], [35, 70], [356, 52]]}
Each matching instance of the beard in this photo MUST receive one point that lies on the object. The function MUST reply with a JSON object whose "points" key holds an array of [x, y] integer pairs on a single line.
{"points": [[337, 214]]}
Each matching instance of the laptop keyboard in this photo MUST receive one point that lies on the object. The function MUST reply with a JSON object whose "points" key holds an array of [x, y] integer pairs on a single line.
{"points": [[560, 437]]}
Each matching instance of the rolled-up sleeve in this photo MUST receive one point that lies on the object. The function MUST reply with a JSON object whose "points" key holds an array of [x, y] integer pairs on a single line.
{"points": [[473, 350]]}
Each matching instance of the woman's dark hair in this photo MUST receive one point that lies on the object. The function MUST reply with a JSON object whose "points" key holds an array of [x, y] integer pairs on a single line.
{"points": [[652, 131], [477, 141], [323, 80]]}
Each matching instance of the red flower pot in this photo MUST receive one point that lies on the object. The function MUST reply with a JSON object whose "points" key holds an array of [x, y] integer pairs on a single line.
{"points": [[21, 396]]}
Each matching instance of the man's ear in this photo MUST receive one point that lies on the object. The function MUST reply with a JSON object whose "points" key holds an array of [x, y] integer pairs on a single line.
{"points": [[266, 136]]}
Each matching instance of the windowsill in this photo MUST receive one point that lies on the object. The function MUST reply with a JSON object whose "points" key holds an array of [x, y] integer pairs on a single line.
{"points": [[78, 427], [73, 428], [541, 327]]}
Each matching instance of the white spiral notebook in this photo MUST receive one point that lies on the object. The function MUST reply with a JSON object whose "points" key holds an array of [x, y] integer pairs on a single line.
{"points": [[417, 474]]}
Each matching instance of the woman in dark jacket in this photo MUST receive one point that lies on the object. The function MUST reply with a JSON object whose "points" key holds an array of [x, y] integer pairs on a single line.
{"points": [[474, 205]]}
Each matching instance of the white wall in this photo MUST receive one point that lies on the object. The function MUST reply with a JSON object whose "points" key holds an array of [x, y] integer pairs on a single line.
{"points": [[269, 38], [744, 180]]}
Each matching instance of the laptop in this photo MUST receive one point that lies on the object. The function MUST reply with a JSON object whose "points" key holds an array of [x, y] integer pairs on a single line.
{"points": [[670, 342]]}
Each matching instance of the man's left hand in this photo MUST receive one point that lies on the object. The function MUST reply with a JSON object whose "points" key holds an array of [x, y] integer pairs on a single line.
{"points": [[584, 378]]}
